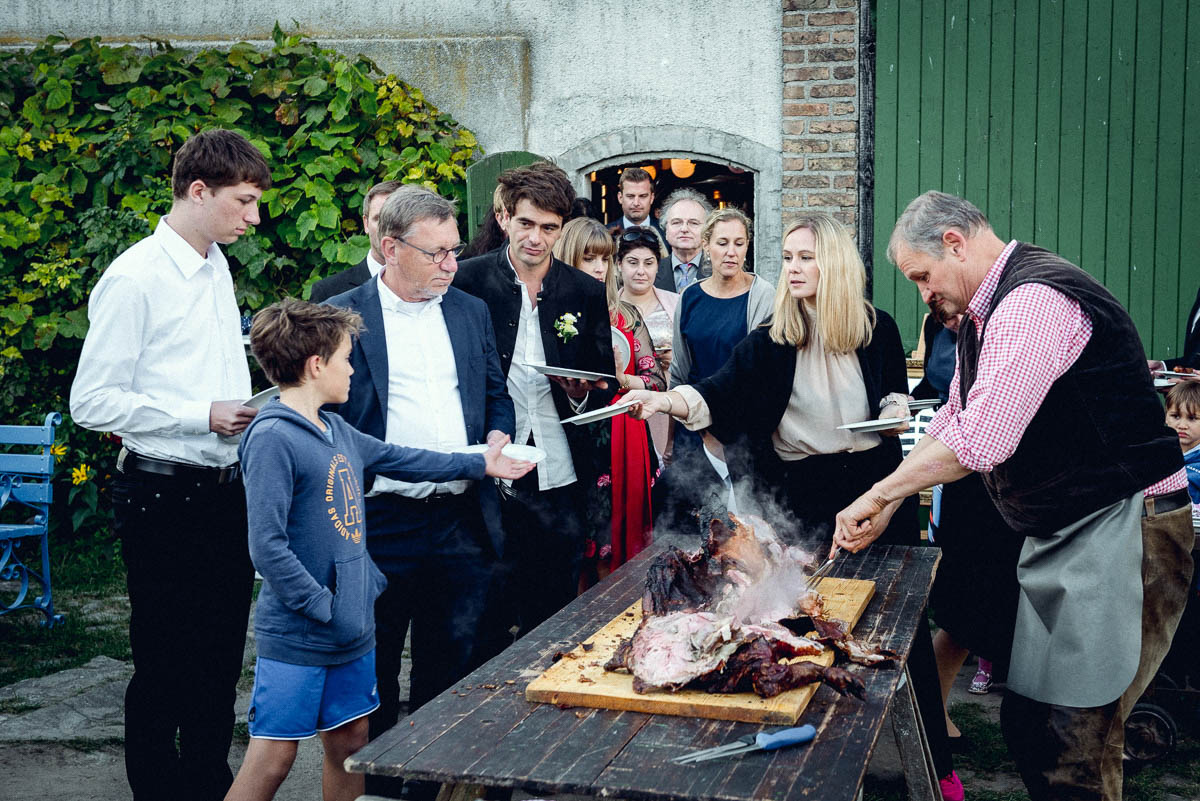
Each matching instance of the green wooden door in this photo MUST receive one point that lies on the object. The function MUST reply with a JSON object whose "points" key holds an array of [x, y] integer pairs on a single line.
{"points": [[481, 183], [1073, 124]]}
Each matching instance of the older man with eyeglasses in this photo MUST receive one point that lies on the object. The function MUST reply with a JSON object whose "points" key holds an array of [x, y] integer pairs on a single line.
{"points": [[684, 213], [426, 375]]}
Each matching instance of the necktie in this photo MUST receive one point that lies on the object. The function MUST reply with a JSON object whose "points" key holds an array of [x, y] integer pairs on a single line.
{"points": [[686, 278]]}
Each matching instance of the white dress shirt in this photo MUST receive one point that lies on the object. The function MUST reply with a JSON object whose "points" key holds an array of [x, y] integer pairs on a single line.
{"points": [[685, 273], [532, 401], [165, 342], [375, 267], [424, 407]]}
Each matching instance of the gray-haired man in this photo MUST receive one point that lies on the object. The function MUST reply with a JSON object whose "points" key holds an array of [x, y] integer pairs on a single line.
{"points": [[683, 215], [1052, 403], [426, 375]]}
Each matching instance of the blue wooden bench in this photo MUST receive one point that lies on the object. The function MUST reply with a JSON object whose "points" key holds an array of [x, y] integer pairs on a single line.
{"points": [[25, 494]]}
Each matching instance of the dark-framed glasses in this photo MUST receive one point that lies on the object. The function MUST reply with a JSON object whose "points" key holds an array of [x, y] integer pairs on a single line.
{"points": [[438, 256]]}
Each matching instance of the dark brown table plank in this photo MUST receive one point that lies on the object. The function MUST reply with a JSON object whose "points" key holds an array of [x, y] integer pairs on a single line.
{"points": [[495, 737]]}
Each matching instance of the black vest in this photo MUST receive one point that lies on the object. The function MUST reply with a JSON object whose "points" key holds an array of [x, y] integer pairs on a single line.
{"points": [[1099, 435]]}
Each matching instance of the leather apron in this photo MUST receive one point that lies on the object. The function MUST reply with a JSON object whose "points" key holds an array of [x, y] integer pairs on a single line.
{"points": [[1079, 612]]}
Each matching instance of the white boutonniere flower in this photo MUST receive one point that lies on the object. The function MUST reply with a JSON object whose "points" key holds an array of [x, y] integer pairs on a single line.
{"points": [[565, 326]]}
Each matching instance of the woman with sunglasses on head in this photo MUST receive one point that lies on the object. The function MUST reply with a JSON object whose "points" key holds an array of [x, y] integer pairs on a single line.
{"points": [[827, 358], [619, 502], [637, 265]]}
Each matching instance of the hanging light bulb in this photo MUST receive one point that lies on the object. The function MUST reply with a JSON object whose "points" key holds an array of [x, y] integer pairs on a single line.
{"points": [[683, 168]]}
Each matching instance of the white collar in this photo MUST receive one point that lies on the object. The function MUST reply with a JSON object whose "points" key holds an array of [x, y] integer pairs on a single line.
{"points": [[375, 267], [390, 301], [185, 257]]}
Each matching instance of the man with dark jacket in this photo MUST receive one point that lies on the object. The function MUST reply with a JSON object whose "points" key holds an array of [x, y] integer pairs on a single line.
{"points": [[545, 313], [635, 194], [372, 263], [1052, 403], [684, 213], [426, 375]]}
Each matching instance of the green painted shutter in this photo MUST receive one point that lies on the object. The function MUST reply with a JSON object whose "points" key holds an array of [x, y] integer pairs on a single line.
{"points": [[1073, 124], [481, 183]]}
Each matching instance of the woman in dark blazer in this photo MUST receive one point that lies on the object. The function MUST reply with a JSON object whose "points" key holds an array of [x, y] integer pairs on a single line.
{"points": [[827, 357]]}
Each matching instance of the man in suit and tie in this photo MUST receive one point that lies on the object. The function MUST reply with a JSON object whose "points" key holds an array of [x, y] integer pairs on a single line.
{"points": [[684, 213], [426, 375], [371, 265], [545, 313], [635, 193]]}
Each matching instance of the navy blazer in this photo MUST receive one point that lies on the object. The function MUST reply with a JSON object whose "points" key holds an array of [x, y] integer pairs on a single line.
{"points": [[341, 282], [482, 388]]}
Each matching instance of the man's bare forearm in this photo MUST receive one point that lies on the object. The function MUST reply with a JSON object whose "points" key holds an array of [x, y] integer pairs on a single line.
{"points": [[930, 463]]}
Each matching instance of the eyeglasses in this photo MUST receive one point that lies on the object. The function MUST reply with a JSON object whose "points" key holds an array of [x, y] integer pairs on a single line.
{"points": [[438, 256]]}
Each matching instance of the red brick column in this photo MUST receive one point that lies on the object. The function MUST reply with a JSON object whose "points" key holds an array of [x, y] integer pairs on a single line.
{"points": [[820, 107]]}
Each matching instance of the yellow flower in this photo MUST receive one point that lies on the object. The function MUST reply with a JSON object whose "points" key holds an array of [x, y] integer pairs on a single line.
{"points": [[59, 450], [80, 474]]}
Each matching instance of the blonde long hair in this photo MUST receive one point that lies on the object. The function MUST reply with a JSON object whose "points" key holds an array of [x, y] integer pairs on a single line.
{"points": [[844, 318]]}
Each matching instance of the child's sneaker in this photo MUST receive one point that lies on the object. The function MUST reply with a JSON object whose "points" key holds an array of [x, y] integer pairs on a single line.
{"points": [[952, 789], [981, 683]]}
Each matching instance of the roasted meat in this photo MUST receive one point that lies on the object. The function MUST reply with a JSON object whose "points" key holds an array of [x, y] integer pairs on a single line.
{"points": [[711, 618], [833, 632], [674, 649], [742, 570]]}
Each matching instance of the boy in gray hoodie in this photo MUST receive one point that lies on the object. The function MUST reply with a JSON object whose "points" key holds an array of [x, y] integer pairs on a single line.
{"points": [[314, 624]]}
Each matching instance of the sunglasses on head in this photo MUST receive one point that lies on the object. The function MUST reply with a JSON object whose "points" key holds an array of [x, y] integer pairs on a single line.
{"points": [[639, 235]]}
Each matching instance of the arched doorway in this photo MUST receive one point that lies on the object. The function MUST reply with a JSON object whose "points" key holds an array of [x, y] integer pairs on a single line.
{"points": [[722, 184], [653, 144]]}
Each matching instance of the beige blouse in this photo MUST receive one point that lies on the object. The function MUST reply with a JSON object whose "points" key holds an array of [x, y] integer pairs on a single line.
{"points": [[827, 391]]}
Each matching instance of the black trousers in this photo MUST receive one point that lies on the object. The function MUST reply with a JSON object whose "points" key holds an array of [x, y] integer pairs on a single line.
{"points": [[545, 534], [438, 570], [190, 579]]}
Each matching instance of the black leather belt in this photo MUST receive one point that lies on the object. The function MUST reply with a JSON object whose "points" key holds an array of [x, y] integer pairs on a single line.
{"points": [[128, 460], [431, 500], [1161, 504]]}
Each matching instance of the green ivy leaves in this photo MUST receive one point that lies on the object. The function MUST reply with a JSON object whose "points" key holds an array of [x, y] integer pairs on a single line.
{"points": [[87, 134]]}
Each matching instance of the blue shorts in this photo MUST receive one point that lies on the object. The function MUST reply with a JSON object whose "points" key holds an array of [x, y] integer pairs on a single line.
{"points": [[294, 702]]}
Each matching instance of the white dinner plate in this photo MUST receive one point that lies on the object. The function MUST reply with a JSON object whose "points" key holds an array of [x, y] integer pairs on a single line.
{"points": [[1162, 382], [256, 402], [600, 414], [620, 346], [260, 400], [1173, 374], [526, 453], [867, 426], [568, 372]]}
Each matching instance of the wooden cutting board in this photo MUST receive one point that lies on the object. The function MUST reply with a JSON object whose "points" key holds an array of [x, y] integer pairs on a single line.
{"points": [[579, 678]]}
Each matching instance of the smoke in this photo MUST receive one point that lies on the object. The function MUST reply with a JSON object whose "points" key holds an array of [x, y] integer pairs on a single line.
{"points": [[792, 550]]}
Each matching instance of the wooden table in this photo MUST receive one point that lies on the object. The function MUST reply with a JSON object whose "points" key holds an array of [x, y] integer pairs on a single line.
{"points": [[483, 733]]}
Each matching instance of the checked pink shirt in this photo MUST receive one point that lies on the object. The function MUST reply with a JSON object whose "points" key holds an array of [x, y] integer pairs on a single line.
{"points": [[1034, 336]]}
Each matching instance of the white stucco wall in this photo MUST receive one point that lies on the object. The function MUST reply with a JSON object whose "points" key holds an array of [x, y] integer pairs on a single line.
{"points": [[592, 65]]}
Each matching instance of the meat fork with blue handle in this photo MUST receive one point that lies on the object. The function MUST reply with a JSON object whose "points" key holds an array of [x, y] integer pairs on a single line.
{"points": [[763, 741]]}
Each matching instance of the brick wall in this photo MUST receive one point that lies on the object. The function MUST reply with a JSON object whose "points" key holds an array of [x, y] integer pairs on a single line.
{"points": [[820, 107]]}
